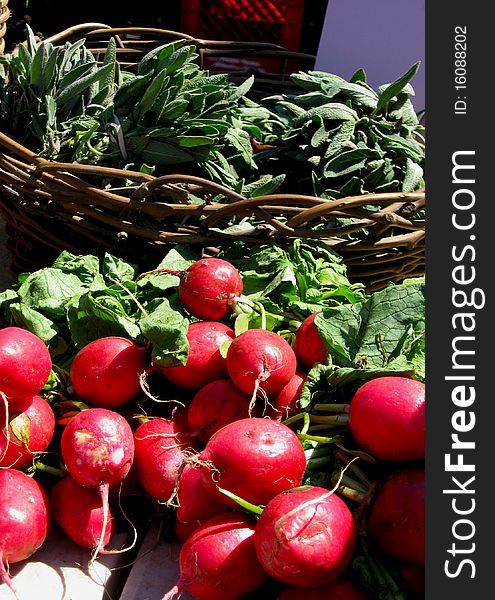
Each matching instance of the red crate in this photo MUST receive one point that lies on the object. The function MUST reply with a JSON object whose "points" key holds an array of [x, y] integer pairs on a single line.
{"points": [[270, 21]]}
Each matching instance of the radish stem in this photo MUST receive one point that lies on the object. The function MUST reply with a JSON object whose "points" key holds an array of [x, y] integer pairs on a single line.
{"points": [[254, 508]]}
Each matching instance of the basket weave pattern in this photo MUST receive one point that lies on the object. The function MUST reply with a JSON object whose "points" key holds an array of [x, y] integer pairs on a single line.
{"points": [[51, 206], [4, 16]]}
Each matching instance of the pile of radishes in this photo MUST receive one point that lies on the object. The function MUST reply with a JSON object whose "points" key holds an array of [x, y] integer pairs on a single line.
{"points": [[219, 458]]}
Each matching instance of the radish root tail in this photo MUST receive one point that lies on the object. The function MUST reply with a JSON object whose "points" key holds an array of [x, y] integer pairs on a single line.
{"points": [[103, 489], [5, 577]]}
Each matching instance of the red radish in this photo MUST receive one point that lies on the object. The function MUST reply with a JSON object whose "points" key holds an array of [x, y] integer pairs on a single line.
{"points": [[387, 418], [97, 446], [396, 521], [218, 560], [216, 404], [179, 417], [196, 500], [79, 513], [338, 589], [159, 454], [24, 519], [309, 346], [205, 363], [285, 403], [106, 372], [305, 537], [25, 366], [412, 579], [183, 530], [30, 432], [208, 288], [258, 358], [253, 458]]}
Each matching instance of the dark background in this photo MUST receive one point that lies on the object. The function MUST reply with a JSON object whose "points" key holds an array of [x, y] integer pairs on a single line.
{"points": [[47, 17]]}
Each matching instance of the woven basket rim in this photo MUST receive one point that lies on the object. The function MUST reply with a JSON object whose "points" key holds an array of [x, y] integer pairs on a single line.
{"points": [[42, 165]]}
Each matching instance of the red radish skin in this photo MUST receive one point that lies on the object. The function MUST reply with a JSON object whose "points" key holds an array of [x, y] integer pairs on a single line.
{"points": [[338, 589], [196, 500], [216, 404], [208, 288], [204, 362], [285, 403], [413, 581], [218, 560], [79, 513], [309, 346], [159, 454], [25, 366], [253, 458], [24, 519], [97, 446], [183, 530], [258, 358], [106, 372], [179, 417], [30, 432], [396, 521], [387, 418], [305, 537]]}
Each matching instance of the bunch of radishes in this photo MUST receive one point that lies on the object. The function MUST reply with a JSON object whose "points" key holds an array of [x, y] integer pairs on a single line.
{"points": [[225, 462]]}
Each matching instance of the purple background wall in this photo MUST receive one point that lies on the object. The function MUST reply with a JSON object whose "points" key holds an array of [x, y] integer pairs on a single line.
{"points": [[385, 37]]}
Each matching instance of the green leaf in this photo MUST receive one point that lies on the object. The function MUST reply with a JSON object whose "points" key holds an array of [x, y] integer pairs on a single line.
{"points": [[51, 112], [50, 72], [242, 90], [166, 328], [153, 90], [118, 269], [339, 138], [75, 89], [74, 75], [31, 41], [24, 56], [38, 66], [149, 60], [329, 384], [173, 110], [413, 178], [331, 111], [377, 330], [408, 148], [394, 89], [350, 161], [85, 267], [95, 315], [49, 289], [69, 57], [110, 58], [130, 92], [359, 75], [193, 141], [28, 318], [268, 184], [240, 141], [177, 59], [162, 153], [360, 94]]}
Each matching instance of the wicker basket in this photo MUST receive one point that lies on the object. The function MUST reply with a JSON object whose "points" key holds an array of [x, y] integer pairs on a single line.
{"points": [[52, 206]]}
